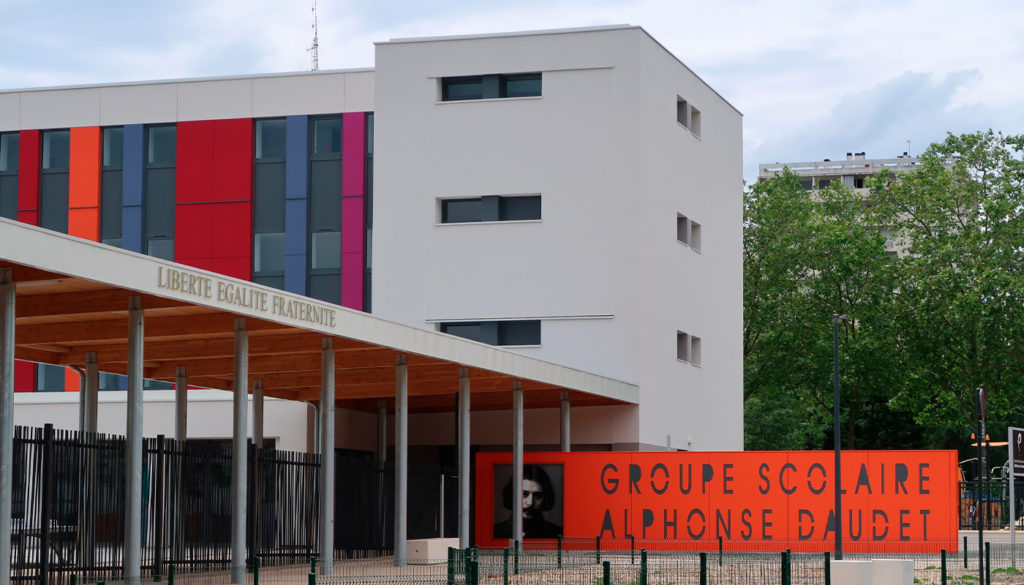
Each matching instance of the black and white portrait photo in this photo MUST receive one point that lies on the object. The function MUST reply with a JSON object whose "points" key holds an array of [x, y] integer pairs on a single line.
{"points": [[542, 501]]}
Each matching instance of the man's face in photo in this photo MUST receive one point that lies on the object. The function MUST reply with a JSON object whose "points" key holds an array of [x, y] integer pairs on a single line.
{"points": [[533, 498]]}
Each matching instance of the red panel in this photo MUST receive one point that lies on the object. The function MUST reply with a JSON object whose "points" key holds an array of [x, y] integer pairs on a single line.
{"points": [[194, 173], [232, 230], [24, 376], [72, 380], [203, 263], [193, 231], [28, 176], [233, 157], [238, 267]]}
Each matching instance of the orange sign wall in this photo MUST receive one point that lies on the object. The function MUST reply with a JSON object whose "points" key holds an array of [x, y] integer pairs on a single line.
{"points": [[894, 501]]}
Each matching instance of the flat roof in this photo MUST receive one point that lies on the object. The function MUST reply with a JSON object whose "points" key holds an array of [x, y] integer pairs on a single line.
{"points": [[73, 295]]}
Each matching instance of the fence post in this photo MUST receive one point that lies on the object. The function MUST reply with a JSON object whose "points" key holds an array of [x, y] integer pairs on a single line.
{"points": [[719, 550], [451, 566], [599, 548], [170, 574], [703, 568], [47, 504], [475, 566], [74, 579], [828, 568], [943, 574], [632, 549], [988, 564], [559, 551], [311, 580], [158, 540], [312, 564], [256, 570], [643, 566], [504, 567], [785, 567], [965, 552], [516, 560], [607, 573]]}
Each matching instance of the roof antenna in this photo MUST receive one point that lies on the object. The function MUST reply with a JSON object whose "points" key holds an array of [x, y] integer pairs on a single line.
{"points": [[314, 50], [908, 148]]}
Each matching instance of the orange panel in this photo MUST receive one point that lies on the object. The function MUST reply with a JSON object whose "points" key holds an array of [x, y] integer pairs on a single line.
{"points": [[72, 380], [84, 182], [84, 222]]}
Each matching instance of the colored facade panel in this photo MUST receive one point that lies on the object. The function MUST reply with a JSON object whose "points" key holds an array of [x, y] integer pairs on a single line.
{"points": [[72, 380], [24, 376], [28, 177], [296, 210], [353, 187], [213, 191], [132, 187], [84, 183], [353, 154]]}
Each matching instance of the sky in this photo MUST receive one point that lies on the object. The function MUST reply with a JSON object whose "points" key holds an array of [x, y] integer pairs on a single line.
{"points": [[814, 80]]}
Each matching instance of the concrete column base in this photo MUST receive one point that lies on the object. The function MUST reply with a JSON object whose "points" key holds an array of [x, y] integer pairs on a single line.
{"points": [[892, 571], [851, 572]]}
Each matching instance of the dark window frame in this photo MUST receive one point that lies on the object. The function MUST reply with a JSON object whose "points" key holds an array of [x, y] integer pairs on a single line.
{"points": [[491, 86], [492, 208], [498, 333]]}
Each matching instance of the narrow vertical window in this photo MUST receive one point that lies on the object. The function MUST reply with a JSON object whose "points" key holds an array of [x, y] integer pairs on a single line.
{"points": [[9, 175], [268, 194], [53, 180], [111, 186], [325, 209], [158, 194]]}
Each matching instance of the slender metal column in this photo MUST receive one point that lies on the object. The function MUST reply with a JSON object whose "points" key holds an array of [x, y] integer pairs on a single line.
{"points": [[382, 430], [565, 444], [180, 403], [239, 454], [463, 457], [517, 461], [133, 447], [7, 293], [327, 457], [401, 456], [91, 392], [257, 413]]}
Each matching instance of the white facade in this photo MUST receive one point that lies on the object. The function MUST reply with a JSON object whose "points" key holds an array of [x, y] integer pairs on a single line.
{"points": [[602, 269]]}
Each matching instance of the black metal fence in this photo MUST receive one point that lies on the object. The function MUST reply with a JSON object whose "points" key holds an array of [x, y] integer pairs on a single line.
{"points": [[988, 502]]}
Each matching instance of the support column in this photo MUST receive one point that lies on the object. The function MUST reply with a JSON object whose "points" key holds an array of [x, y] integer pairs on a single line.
{"points": [[90, 393], [382, 430], [327, 457], [517, 462], [239, 453], [401, 456], [133, 446], [7, 294], [463, 457], [565, 444], [257, 413], [180, 403]]}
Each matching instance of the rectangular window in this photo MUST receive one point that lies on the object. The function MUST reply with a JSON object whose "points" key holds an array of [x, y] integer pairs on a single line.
{"points": [[158, 195], [327, 137], [270, 139], [688, 231], [9, 175], [49, 378], [491, 208], [268, 202], [111, 183], [823, 183], [688, 348], [326, 250], [688, 116], [504, 333], [53, 180], [324, 209], [268, 254], [858, 182], [56, 150], [483, 87]]}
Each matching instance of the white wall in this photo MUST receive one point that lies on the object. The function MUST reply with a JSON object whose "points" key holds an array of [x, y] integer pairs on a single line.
{"points": [[602, 269]]}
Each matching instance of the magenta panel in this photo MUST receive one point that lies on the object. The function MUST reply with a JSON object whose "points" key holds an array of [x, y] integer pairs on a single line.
{"points": [[352, 280], [353, 153], [352, 224]]}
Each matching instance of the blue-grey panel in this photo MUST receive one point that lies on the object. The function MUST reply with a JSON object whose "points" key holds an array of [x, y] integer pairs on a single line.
{"points": [[297, 157], [133, 165], [295, 273], [131, 228], [295, 226]]}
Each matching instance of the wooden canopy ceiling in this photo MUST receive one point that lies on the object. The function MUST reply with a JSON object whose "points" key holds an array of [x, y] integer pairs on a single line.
{"points": [[59, 318]]}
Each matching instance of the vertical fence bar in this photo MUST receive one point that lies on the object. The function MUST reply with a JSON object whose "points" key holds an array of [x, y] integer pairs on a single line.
{"points": [[47, 506], [451, 566], [256, 571], [504, 569], [943, 574], [719, 550], [559, 551], [516, 560], [965, 552], [643, 566], [607, 573], [158, 540], [170, 574], [598, 548], [988, 564], [632, 549], [703, 568], [828, 568]]}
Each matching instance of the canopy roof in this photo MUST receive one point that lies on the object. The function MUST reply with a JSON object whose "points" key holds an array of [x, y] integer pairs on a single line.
{"points": [[73, 297]]}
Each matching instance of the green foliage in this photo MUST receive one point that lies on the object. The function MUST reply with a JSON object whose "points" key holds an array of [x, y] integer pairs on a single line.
{"points": [[926, 328]]}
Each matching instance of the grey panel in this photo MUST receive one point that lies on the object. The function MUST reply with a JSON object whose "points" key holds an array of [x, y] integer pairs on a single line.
{"points": [[9, 196], [110, 204], [325, 195], [159, 203], [53, 201], [326, 287], [268, 193]]}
